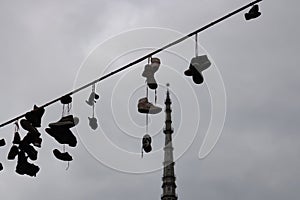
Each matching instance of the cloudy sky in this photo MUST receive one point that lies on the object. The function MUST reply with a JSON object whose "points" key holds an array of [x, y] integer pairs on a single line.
{"points": [[43, 48]]}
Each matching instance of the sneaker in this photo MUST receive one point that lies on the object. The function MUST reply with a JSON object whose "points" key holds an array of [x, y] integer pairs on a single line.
{"points": [[24, 167], [146, 107], [253, 13], [13, 152], [1, 167], [17, 138], [64, 122], [62, 156], [35, 116], [67, 99], [197, 65], [93, 123], [26, 125], [149, 71], [2, 142], [62, 136], [29, 150], [147, 143]]}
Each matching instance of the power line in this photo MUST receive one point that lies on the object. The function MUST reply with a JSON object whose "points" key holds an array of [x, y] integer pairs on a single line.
{"points": [[141, 58]]}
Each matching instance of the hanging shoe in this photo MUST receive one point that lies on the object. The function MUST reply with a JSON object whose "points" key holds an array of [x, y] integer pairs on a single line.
{"points": [[253, 13], [24, 167], [197, 65], [62, 156], [26, 125], [1, 167], [65, 122], [62, 136], [17, 138], [35, 116], [149, 71], [146, 142], [29, 150], [13, 152], [146, 107], [2, 143], [93, 123], [67, 99]]}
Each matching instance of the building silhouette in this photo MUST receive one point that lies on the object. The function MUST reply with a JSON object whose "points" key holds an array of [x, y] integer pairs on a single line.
{"points": [[169, 185]]}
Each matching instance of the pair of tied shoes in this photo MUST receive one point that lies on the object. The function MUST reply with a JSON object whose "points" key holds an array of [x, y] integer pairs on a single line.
{"points": [[197, 65]]}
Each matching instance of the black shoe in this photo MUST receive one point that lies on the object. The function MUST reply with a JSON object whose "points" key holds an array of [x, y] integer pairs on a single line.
{"points": [[93, 123], [2, 143], [147, 143], [65, 122], [253, 13], [62, 156], [1, 167], [24, 167], [63, 136], [26, 125], [67, 99], [29, 150], [13, 152], [35, 116], [17, 138]]}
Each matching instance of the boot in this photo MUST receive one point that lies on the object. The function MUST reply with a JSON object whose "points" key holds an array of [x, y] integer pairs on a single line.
{"points": [[35, 116]]}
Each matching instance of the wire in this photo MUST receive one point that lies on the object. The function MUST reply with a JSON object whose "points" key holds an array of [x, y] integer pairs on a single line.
{"points": [[141, 58]]}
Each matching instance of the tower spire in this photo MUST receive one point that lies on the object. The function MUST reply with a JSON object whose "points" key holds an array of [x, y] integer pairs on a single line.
{"points": [[169, 185]]}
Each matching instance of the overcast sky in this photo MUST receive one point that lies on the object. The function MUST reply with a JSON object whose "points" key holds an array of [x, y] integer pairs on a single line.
{"points": [[43, 45]]}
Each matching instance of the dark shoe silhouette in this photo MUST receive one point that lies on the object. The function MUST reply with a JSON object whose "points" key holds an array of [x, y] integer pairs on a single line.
{"points": [[62, 156], [62, 136], [13, 152], [253, 13], [147, 143], [26, 125], [67, 99], [93, 123], [65, 122], [35, 116], [24, 167], [146, 107], [2, 143], [1, 167], [17, 138], [29, 150]]}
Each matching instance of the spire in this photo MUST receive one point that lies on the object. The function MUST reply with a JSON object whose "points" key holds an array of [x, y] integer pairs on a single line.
{"points": [[169, 185]]}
